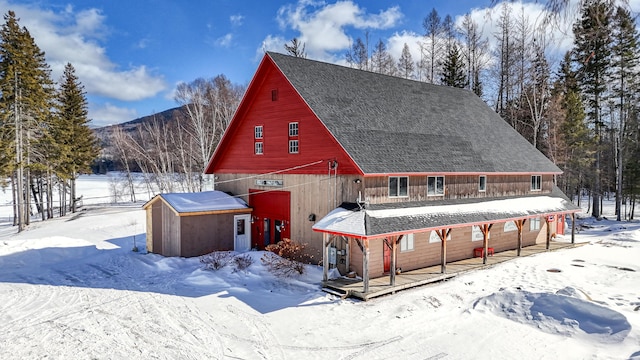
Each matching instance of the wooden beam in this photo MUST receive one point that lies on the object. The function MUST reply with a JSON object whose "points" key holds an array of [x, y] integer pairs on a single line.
{"points": [[325, 257], [443, 234], [573, 228], [546, 221], [365, 266], [347, 254], [392, 270], [520, 224], [485, 228]]}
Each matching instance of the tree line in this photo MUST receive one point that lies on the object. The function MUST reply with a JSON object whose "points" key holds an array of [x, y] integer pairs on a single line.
{"points": [[45, 141], [583, 115]]}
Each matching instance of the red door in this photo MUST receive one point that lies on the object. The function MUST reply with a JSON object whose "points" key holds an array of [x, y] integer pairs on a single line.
{"points": [[270, 217], [386, 256]]}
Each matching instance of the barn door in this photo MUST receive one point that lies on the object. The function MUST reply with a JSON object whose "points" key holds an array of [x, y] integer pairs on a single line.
{"points": [[242, 238]]}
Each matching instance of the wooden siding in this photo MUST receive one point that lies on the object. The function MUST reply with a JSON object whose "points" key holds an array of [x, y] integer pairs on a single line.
{"points": [[310, 194], [456, 187], [425, 254], [236, 150], [170, 231], [203, 234]]}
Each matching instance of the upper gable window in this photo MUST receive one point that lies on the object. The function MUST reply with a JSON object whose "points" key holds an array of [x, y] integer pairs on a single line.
{"points": [[293, 146], [274, 95], [536, 182], [258, 148], [398, 186], [482, 183], [258, 132], [293, 129], [435, 185]]}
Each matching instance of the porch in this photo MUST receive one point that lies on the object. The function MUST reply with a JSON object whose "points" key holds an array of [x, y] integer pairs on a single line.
{"points": [[381, 286]]}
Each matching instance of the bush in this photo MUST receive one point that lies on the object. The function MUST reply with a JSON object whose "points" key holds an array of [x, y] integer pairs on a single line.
{"points": [[284, 258], [242, 262], [216, 260]]}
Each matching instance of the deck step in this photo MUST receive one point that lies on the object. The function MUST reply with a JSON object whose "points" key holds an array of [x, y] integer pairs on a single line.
{"points": [[337, 292]]}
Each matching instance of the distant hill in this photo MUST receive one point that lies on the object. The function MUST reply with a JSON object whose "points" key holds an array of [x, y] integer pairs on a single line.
{"points": [[163, 117]]}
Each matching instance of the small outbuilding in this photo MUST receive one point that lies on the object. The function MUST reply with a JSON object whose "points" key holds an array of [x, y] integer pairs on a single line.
{"points": [[194, 224]]}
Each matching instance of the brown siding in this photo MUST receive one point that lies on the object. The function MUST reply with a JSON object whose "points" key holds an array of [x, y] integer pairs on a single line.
{"points": [[170, 232], [202, 234], [456, 187]]}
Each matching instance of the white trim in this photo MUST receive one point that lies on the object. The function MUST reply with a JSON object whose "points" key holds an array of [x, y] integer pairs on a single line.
{"points": [[294, 147], [293, 129], [397, 187], [436, 185], [242, 242], [480, 189], [537, 183], [258, 148], [258, 132]]}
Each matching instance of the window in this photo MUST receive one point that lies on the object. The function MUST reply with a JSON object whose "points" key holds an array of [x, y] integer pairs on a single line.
{"points": [[510, 226], [258, 132], [435, 185], [406, 243], [274, 95], [534, 224], [435, 238], [476, 234], [482, 183], [293, 129], [398, 186], [258, 148], [536, 182], [293, 146]]}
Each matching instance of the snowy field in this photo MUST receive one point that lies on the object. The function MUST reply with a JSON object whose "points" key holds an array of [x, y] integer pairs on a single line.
{"points": [[72, 288]]}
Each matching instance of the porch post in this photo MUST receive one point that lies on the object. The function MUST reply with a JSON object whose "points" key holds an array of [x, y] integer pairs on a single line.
{"points": [[392, 271], [325, 257], [485, 228], [365, 266], [573, 228], [546, 221], [443, 234], [520, 224], [347, 255]]}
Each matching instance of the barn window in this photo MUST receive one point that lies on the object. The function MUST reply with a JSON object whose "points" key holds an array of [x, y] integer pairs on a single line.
{"points": [[258, 148], [435, 185], [482, 183], [258, 132], [536, 182], [293, 129], [398, 186], [534, 224], [406, 243], [274, 95], [293, 146]]}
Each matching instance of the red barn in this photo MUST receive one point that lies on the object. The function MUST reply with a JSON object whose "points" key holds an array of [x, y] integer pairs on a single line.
{"points": [[353, 163]]}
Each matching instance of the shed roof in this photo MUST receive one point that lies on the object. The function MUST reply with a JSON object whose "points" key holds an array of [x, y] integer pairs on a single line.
{"points": [[398, 218], [394, 125], [200, 202]]}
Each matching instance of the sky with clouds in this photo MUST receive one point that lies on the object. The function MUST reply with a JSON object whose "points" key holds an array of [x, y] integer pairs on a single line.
{"points": [[130, 55]]}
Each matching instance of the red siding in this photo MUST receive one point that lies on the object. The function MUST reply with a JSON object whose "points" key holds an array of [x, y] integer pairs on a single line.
{"points": [[235, 153]]}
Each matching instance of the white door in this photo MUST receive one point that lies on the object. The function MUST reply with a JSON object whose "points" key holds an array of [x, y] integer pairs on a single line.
{"points": [[242, 237]]}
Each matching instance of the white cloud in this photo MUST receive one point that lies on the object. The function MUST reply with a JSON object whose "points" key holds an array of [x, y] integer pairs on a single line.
{"points": [[108, 114], [270, 43], [74, 36], [224, 41], [236, 20], [323, 27]]}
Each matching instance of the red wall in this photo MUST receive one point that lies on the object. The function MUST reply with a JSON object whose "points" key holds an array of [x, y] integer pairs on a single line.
{"points": [[235, 153]]}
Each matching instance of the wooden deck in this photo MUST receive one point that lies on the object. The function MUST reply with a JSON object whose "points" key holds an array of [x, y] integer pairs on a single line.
{"points": [[381, 286]]}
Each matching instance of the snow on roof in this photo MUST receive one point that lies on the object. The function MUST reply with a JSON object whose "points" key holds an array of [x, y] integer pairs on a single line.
{"points": [[373, 222], [203, 201]]}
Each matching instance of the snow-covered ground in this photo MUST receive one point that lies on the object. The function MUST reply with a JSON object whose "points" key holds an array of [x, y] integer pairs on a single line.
{"points": [[71, 288]]}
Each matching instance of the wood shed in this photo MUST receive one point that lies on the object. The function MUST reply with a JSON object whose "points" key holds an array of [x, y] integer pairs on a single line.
{"points": [[194, 224]]}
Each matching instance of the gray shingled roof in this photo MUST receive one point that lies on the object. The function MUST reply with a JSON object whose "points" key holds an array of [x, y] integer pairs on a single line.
{"points": [[383, 219], [393, 125]]}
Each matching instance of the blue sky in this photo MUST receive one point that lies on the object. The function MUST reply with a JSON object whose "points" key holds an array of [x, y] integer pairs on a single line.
{"points": [[130, 55]]}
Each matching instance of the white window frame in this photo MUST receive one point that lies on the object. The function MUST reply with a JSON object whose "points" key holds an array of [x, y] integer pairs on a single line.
{"points": [[481, 182], [536, 182], [398, 187], [510, 226], [435, 179], [534, 224], [258, 148], [294, 147], [406, 243], [258, 132], [293, 129]]}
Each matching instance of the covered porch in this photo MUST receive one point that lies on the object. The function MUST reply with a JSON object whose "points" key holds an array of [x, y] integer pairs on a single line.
{"points": [[345, 287]]}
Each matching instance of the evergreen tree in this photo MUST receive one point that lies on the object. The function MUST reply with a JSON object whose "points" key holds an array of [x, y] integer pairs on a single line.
{"points": [[592, 55], [27, 93], [75, 142], [381, 60], [453, 69]]}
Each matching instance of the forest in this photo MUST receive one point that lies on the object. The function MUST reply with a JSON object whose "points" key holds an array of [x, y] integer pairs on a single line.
{"points": [[580, 111]]}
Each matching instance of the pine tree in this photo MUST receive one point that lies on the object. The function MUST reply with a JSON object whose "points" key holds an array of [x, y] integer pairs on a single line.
{"points": [[592, 55], [75, 142], [453, 72], [27, 93]]}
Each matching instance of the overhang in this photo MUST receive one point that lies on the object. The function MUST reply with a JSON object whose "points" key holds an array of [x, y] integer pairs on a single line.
{"points": [[201, 203]]}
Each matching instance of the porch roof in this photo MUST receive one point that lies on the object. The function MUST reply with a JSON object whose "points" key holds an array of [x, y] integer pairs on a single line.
{"points": [[379, 220]]}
